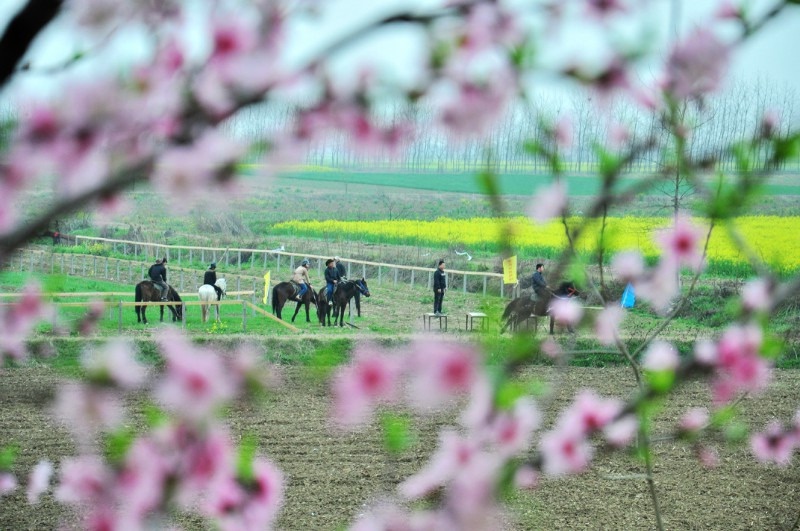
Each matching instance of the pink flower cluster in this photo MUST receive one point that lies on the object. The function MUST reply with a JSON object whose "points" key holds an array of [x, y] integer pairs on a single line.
{"points": [[18, 320], [187, 460], [776, 444]]}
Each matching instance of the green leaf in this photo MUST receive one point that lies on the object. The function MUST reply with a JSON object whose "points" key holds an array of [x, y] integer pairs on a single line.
{"points": [[397, 435], [723, 416], [117, 444], [8, 455], [660, 381], [508, 393], [736, 431], [155, 416], [245, 458], [787, 148]]}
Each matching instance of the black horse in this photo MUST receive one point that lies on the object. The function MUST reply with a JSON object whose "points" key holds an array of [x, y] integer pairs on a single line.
{"points": [[146, 291], [284, 292], [521, 309], [344, 292]]}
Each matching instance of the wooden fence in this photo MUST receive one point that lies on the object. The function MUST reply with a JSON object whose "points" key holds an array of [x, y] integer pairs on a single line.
{"points": [[487, 282]]}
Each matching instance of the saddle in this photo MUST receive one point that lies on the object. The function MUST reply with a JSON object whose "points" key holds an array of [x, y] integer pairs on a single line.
{"points": [[295, 287]]}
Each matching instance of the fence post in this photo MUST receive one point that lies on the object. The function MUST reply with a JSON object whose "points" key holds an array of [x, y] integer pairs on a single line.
{"points": [[106, 267], [244, 316], [84, 265], [430, 280], [412, 278], [240, 260], [179, 256], [118, 280], [363, 270], [203, 255], [183, 314], [239, 286], [130, 272], [465, 282], [254, 298], [484, 286], [181, 279], [265, 260], [291, 263], [72, 264], [379, 275], [348, 270], [396, 270], [278, 267], [502, 288], [119, 322], [190, 255]]}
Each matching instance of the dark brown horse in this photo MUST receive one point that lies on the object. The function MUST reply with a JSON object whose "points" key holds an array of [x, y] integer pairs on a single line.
{"points": [[344, 292], [521, 309], [323, 307], [146, 291], [284, 292]]}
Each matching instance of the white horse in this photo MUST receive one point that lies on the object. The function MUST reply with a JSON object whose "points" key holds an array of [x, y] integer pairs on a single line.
{"points": [[209, 295]]}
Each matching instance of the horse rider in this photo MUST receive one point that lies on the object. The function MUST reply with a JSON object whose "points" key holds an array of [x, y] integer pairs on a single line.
{"points": [[340, 268], [158, 274], [332, 278], [210, 278], [300, 277], [540, 288]]}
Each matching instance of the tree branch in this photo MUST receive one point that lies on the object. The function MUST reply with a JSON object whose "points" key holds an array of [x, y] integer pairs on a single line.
{"points": [[25, 232], [21, 31]]}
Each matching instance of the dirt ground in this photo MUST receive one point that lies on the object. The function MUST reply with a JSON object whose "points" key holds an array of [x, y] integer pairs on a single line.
{"points": [[332, 478]]}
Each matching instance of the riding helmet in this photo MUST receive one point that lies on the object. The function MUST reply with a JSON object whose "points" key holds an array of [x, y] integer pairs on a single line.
{"points": [[213, 265], [337, 258], [305, 263]]}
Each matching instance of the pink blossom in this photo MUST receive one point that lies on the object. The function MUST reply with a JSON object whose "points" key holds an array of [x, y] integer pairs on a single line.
{"points": [[232, 37], [440, 371], [606, 326], [694, 420], [628, 266], [551, 349], [563, 132], [266, 494], [566, 311], [39, 480], [728, 10], [195, 382], [526, 477], [682, 244], [661, 356], [371, 378], [696, 65], [589, 413], [481, 404], [618, 135], [549, 202], [565, 451], [705, 352], [84, 479], [707, 456], [142, 480], [772, 445], [756, 295], [605, 8], [620, 433], [660, 287], [471, 495], [740, 367], [115, 361], [18, 320], [453, 454], [8, 483], [513, 431], [86, 409]]}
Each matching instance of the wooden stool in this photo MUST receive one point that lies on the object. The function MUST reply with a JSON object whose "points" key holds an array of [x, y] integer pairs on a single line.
{"points": [[469, 322], [426, 320]]}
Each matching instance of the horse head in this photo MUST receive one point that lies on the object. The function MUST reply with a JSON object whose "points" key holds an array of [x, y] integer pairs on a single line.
{"points": [[362, 287], [221, 284]]}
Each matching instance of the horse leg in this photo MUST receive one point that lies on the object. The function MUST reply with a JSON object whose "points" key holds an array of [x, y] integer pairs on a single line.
{"points": [[552, 324], [162, 312], [308, 307], [144, 313], [203, 313], [297, 310], [216, 310]]}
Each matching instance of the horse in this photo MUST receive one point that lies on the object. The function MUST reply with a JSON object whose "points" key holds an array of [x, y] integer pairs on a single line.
{"points": [[521, 309], [323, 307], [208, 294], [284, 291], [146, 291], [342, 295]]}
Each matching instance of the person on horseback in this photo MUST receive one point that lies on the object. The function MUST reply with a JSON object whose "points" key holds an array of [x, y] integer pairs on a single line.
{"points": [[300, 277], [539, 284], [340, 268], [158, 274], [210, 278], [332, 278]]}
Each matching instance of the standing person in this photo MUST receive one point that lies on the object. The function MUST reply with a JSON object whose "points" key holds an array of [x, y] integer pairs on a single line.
{"points": [[300, 277], [439, 287], [539, 283], [210, 278], [331, 277], [158, 274], [340, 268]]}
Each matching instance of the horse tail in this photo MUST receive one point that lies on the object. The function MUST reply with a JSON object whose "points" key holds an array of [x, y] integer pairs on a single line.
{"points": [[275, 299]]}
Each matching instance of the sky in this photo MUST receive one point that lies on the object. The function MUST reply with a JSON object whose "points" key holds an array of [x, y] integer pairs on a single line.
{"points": [[771, 55]]}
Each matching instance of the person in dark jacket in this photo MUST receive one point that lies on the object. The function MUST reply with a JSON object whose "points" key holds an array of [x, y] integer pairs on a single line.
{"points": [[340, 268], [439, 287], [539, 283], [331, 278], [158, 274], [210, 278]]}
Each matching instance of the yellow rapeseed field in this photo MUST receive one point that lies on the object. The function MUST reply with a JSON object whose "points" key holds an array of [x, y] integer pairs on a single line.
{"points": [[776, 240]]}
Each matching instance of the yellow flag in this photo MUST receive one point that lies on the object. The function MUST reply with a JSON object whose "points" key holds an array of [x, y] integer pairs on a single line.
{"points": [[510, 270], [266, 287]]}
